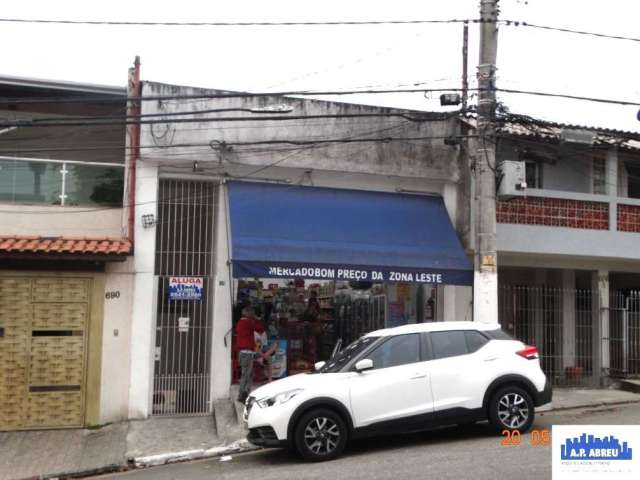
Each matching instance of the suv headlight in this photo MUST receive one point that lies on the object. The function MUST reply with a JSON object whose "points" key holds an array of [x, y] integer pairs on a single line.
{"points": [[279, 398]]}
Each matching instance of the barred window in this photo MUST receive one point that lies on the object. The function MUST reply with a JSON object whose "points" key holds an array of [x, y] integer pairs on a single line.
{"points": [[599, 175]]}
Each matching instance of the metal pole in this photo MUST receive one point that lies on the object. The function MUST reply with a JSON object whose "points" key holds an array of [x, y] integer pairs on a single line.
{"points": [[133, 144], [486, 274], [625, 338], [465, 62]]}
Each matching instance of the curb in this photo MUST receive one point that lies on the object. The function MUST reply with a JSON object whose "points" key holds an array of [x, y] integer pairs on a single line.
{"points": [[80, 474], [592, 405], [240, 446]]}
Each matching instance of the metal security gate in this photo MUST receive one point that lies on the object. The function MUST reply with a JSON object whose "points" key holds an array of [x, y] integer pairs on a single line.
{"points": [[43, 344], [557, 321], [185, 233], [623, 335]]}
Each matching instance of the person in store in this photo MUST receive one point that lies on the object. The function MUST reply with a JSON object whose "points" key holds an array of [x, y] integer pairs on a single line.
{"points": [[246, 330], [263, 350], [313, 304], [253, 345], [312, 316], [243, 302]]}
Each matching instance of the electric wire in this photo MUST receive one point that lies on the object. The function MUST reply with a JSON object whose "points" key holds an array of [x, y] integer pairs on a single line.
{"points": [[506, 22], [414, 117], [234, 24], [205, 96], [57, 121], [77, 119], [308, 145], [517, 23]]}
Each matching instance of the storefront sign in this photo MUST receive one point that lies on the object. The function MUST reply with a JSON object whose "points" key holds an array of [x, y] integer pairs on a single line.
{"points": [[355, 274], [185, 288], [262, 270]]}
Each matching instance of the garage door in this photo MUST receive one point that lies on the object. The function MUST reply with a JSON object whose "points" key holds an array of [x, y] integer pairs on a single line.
{"points": [[43, 338]]}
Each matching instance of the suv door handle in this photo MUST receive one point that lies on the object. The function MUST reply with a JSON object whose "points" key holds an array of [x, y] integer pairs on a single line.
{"points": [[490, 359], [418, 375]]}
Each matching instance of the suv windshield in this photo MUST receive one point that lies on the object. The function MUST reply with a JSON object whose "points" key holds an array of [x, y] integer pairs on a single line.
{"points": [[346, 354]]}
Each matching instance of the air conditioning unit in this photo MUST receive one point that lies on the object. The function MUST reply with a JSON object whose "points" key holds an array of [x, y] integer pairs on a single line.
{"points": [[512, 179], [580, 137]]}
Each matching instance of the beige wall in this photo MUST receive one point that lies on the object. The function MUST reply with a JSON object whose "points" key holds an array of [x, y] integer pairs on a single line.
{"points": [[116, 342], [47, 220]]}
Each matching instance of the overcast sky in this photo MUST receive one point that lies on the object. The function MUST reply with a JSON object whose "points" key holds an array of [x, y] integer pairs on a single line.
{"points": [[340, 57]]}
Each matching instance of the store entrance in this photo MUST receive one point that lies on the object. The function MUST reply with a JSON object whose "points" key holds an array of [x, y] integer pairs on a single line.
{"points": [[305, 320]]}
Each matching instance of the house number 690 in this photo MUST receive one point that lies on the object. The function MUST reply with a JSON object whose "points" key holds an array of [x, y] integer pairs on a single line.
{"points": [[112, 295]]}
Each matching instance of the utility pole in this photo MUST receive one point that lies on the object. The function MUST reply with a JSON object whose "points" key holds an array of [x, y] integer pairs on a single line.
{"points": [[465, 61], [133, 146], [485, 291]]}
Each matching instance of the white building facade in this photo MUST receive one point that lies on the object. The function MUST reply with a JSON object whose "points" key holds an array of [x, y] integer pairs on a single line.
{"points": [[182, 351]]}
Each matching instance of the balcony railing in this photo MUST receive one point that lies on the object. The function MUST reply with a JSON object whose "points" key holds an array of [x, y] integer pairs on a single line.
{"points": [[571, 210], [628, 218], [60, 182], [556, 212]]}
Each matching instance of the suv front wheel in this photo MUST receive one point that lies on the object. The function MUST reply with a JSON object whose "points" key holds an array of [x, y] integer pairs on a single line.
{"points": [[511, 408], [320, 435]]}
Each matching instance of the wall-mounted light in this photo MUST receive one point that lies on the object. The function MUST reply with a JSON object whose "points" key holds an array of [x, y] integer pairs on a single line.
{"points": [[450, 99], [148, 220]]}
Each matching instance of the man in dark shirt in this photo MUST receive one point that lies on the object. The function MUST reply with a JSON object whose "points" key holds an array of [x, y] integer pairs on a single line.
{"points": [[246, 330]]}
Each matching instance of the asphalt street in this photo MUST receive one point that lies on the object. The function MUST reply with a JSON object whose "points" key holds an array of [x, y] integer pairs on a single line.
{"points": [[471, 452]]}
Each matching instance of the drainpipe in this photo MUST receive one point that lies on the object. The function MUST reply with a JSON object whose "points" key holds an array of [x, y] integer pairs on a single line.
{"points": [[133, 110]]}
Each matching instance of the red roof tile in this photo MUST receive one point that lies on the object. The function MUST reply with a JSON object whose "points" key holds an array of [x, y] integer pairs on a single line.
{"points": [[73, 245]]}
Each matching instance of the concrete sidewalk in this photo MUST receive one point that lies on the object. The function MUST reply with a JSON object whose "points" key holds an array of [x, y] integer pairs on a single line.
{"points": [[140, 443], [566, 398]]}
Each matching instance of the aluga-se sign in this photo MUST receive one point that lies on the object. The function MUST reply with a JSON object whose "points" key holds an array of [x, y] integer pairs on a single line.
{"points": [[185, 288]]}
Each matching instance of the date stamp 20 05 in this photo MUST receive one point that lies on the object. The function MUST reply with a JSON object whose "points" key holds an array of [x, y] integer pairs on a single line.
{"points": [[536, 438]]}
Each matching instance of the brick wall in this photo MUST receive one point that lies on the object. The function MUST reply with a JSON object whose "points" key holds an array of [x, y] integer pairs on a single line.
{"points": [[628, 218], [555, 212]]}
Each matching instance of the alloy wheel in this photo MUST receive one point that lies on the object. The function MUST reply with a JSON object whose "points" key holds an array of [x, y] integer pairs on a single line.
{"points": [[321, 435], [513, 410]]}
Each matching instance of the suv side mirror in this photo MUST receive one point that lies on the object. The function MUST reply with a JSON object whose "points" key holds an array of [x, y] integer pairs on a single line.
{"points": [[364, 364], [319, 365]]}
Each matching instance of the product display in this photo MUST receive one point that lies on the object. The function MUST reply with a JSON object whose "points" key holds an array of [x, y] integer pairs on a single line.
{"points": [[306, 320]]}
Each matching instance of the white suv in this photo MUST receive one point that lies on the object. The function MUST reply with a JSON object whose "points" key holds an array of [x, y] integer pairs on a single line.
{"points": [[402, 379]]}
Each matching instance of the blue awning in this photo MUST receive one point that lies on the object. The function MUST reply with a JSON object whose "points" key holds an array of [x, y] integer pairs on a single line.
{"points": [[285, 231]]}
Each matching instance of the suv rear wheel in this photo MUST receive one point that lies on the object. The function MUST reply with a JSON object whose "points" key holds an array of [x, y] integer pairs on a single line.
{"points": [[511, 408], [320, 435]]}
